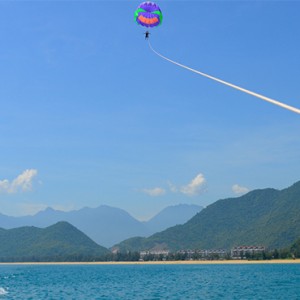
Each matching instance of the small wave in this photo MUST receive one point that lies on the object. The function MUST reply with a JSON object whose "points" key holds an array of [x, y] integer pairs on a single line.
{"points": [[3, 291]]}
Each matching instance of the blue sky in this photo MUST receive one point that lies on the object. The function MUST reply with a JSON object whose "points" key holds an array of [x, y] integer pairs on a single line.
{"points": [[90, 116]]}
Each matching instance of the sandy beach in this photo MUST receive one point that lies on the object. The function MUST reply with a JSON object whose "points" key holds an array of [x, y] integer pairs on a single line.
{"points": [[181, 262]]}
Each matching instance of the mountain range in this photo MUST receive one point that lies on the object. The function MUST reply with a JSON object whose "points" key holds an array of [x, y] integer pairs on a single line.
{"points": [[59, 242], [106, 225], [265, 217]]}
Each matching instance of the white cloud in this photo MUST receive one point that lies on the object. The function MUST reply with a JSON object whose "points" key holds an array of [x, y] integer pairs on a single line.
{"points": [[194, 187], [154, 192], [4, 185], [22, 183], [26, 209], [239, 190], [172, 187], [18, 209], [64, 207], [33, 208]]}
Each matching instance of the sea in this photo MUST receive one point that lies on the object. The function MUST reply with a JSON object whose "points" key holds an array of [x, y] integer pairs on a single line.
{"points": [[176, 281]]}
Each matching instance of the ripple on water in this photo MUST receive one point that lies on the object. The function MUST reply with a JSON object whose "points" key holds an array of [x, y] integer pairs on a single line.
{"points": [[150, 282]]}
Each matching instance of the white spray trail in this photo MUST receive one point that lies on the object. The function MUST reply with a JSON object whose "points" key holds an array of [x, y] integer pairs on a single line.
{"points": [[291, 108], [3, 291]]}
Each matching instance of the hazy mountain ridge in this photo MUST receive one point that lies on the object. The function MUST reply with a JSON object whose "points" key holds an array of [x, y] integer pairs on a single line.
{"points": [[262, 217], [266, 217], [105, 225], [171, 216]]}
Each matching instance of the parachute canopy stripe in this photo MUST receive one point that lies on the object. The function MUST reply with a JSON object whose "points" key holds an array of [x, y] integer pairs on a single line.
{"points": [[148, 14], [148, 21], [136, 13]]}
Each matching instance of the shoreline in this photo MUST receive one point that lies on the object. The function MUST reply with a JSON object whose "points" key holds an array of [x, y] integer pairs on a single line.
{"points": [[180, 262]]}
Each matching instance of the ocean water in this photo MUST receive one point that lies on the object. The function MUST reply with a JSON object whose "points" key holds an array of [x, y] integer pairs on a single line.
{"points": [[255, 281]]}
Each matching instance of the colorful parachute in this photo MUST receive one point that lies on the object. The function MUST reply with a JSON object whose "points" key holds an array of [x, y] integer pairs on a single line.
{"points": [[148, 14]]}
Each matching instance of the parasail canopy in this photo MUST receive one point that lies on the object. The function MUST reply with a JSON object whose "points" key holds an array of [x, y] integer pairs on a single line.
{"points": [[148, 14]]}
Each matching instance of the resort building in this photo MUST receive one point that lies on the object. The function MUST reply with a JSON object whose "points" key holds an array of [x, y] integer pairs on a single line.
{"points": [[163, 253], [244, 251]]}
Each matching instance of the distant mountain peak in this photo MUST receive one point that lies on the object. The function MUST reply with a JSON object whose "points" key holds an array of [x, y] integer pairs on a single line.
{"points": [[60, 241], [105, 224], [173, 215]]}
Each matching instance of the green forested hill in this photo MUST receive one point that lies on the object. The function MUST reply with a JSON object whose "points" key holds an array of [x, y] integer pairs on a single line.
{"points": [[262, 217], [58, 242]]}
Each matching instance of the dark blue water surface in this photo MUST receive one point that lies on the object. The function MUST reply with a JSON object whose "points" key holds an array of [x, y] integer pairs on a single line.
{"points": [[255, 281]]}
